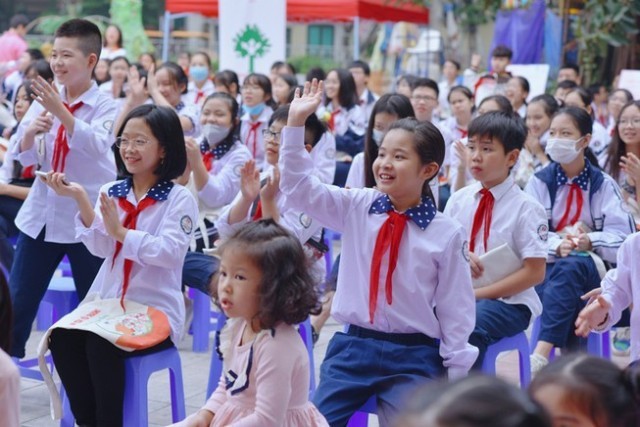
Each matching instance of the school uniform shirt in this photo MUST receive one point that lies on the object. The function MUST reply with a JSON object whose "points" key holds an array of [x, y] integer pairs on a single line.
{"points": [[192, 112], [602, 212], [111, 54], [301, 225], [192, 93], [522, 111], [599, 143], [324, 158], [366, 101], [157, 248], [517, 219], [433, 294], [90, 163], [620, 289], [224, 176], [345, 120], [453, 168], [255, 144]]}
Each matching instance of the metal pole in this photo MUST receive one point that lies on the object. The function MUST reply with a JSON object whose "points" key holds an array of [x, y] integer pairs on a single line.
{"points": [[165, 35], [356, 38]]}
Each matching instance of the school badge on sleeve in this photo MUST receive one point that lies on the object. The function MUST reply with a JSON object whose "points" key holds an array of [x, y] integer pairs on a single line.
{"points": [[186, 223]]}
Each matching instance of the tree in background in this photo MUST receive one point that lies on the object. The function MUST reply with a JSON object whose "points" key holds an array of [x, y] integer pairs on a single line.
{"points": [[127, 14]]}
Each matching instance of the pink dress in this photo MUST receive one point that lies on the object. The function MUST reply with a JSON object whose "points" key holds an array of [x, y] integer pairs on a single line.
{"points": [[271, 385]]}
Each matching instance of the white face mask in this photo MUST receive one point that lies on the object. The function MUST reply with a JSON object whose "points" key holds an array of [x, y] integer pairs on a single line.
{"points": [[214, 133], [377, 136], [563, 150]]}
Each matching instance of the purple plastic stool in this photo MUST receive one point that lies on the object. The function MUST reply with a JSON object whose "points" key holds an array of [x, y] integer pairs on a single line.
{"points": [[361, 417], [137, 370], [60, 299], [517, 342], [202, 323], [597, 344]]}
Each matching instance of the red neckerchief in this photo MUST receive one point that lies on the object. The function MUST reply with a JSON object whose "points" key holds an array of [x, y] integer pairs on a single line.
{"points": [[61, 145], [483, 215]]}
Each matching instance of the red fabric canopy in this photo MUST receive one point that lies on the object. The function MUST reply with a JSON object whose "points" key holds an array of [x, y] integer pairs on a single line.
{"points": [[322, 10]]}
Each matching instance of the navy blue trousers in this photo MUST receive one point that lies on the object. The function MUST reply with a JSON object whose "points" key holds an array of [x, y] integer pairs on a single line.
{"points": [[9, 208], [566, 281], [198, 269], [358, 367], [496, 320], [33, 267]]}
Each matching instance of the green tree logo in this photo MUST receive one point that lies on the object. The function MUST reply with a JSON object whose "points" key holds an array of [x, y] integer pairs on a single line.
{"points": [[252, 43]]}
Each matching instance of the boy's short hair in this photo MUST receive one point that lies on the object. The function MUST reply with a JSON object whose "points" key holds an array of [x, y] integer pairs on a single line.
{"points": [[572, 66], [87, 33], [18, 20], [567, 85], [508, 129], [425, 82], [358, 63], [502, 51]]}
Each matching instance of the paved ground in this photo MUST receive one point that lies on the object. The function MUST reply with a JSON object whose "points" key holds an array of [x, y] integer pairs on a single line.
{"points": [[35, 400]]}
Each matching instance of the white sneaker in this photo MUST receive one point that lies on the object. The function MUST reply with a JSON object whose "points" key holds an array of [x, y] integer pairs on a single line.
{"points": [[537, 362]]}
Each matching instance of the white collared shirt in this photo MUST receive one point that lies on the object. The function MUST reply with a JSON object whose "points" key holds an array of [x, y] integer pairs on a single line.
{"points": [[599, 143], [324, 158], [90, 163], [366, 106], [605, 209], [192, 112], [224, 177], [517, 219], [432, 293], [157, 248], [345, 120], [256, 148], [192, 92], [620, 288]]}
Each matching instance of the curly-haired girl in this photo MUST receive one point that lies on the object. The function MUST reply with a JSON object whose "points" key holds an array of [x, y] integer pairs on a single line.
{"points": [[264, 288]]}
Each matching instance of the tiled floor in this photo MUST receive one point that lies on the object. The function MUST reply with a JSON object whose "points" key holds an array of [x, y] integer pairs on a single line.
{"points": [[35, 400]]}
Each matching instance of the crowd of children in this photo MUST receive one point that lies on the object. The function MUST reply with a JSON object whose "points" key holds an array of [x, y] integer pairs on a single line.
{"points": [[467, 213]]}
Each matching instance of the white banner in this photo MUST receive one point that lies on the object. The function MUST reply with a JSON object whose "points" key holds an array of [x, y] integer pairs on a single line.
{"points": [[536, 74], [252, 35]]}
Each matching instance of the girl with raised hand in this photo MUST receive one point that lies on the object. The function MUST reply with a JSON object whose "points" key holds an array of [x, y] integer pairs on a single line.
{"points": [[407, 322]]}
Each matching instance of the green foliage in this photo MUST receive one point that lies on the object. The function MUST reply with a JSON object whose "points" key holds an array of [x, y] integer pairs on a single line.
{"points": [[470, 13], [601, 24], [304, 63], [252, 43], [127, 14]]}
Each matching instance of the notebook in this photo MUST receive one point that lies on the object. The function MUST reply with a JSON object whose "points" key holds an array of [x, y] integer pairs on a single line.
{"points": [[498, 263]]}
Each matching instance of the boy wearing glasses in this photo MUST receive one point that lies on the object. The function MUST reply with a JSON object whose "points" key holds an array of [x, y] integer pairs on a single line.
{"points": [[67, 130]]}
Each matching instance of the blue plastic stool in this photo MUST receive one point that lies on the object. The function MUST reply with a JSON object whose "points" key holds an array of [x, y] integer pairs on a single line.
{"points": [[361, 418], [517, 342], [215, 369], [60, 299], [202, 323], [138, 369], [597, 344]]}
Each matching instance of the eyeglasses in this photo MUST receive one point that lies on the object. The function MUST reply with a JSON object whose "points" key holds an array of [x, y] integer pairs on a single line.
{"points": [[268, 134], [124, 142], [425, 98], [635, 122]]}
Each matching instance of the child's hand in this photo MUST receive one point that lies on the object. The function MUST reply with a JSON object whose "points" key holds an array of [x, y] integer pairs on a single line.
{"points": [[462, 153], [110, 217], [41, 124], [249, 181], [46, 94], [592, 316], [57, 182], [152, 85], [202, 418], [630, 164], [305, 104], [6, 133], [137, 94], [193, 151], [583, 242], [270, 189], [566, 246], [477, 269]]}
